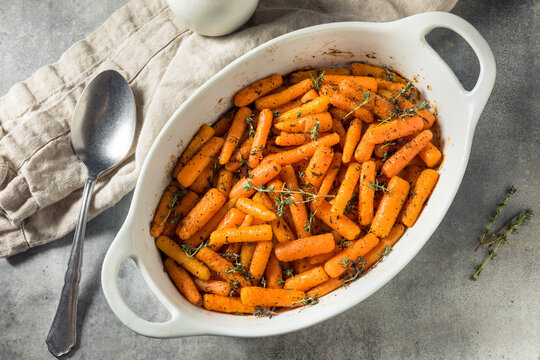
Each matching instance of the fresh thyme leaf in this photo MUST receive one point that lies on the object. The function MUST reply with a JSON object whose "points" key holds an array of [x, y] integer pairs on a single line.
{"points": [[308, 300], [379, 187], [367, 99], [235, 285], [249, 121], [192, 251], [276, 113], [177, 195], [501, 205], [353, 268], [318, 81], [289, 272], [314, 131], [261, 312], [384, 254], [309, 222]]}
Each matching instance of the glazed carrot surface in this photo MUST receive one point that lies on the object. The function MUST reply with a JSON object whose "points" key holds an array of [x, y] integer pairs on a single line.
{"points": [[308, 181]]}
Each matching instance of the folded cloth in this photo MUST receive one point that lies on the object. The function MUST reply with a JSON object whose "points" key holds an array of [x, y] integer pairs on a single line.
{"points": [[41, 179]]}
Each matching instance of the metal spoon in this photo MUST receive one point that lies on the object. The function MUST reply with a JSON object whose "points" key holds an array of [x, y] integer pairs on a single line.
{"points": [[102, 131]]}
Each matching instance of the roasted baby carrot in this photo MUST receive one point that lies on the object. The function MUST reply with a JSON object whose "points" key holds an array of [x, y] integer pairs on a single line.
{"points": [[351, 139], [184, 206], [260, 137], [165, 207], [430, 155], [204, 134], [326, 287], [362, 69], [196, 165], [241, 234], [240, 155], [222, 125], [389, 207], [255, 209], [291, 139], [346, 189], [317, 167], [342, 224], [224, 181], [322, 258], [183, 282], [411, 174], [365, 147], [317, 73], [226, 304], [238, 127], [310, 124], [297, 207], [175, 252], [205, 209], [302, 151], [353, 108], [259, 88], [403, 156], [422, 190], [202, 181], [223, 267], [383, 247], [272, 101], [358, 82], [273, 273], [262, 174], [310, 95], [337, 127], [315, 106], [305, 247], [216, 287], [259, 261], [246, 254], [306, 280], [280, 227], [232, 219], [394, 129], [366, 193], [328, 180], [203, 234], [258, 296], [337, 265]]}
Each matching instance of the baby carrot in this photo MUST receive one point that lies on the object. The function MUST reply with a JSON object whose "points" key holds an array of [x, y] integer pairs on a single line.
{"points": [[317, 105], [290, 139], [259, 88], [262, 252], [430, 155], [394, 129], [366, 193], [258, 296], [188, 201], [328, 180], [196, 165], [302, 151], [205, 209], [384, 246], [262, 174], [326, 287], [317, 167], [389, 207], [346, 189], [422, 190], [273, 274], [223, 267], [222, 125], [310, 95], [322, 258], [280, 227], [216, 287], [338, 264], [411, 174], [320, 122], [341, 101], [183, 282], [305, 247], [358, 83], [175, 252], [307, 279], [260, 137], [232, 219], [204, 134], [342, 224], [302, 265], [203, 234], [309, 74], [403, 156], [365, 147], [288, 106], [235, 133], [224, 182], [246, 254], [240, 155], [428, 117], [373, 102], [203, 180], [241, 234], [255, 209], [351, 139], [226, 304], [272, 101], [375, 71], [298, 208], [164, 209], [338, 128]]}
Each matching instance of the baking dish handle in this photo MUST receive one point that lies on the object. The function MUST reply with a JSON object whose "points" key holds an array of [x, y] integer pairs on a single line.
{"points": [[421, 24], [120, 250]]}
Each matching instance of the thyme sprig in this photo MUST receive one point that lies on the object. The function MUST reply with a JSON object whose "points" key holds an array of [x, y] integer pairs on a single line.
{"points": [[501, 205], [178, 194], [354, 268], [379, 187], [192, 251], [314, 131], [309, 222], [307, 300], [317, 81], [261, 312], [367, 99], [249, 121]]}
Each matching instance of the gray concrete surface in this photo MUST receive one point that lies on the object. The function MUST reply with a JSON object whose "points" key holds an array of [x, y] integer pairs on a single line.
{"points": [[431, 310]]}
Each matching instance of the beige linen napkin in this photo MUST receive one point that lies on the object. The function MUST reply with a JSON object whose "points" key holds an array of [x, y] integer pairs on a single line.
{"points": [[41, 179]]}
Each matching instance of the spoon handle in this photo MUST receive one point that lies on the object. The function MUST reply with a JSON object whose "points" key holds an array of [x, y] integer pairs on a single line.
{"points": [[63, 333]]}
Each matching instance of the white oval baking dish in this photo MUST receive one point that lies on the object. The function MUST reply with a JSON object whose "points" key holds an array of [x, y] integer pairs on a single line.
{"points": [[400, 45]]}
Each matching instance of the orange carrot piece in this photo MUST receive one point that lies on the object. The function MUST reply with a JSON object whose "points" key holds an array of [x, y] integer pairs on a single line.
{"points": [[259, 88], [164, 210], [233, 248], [273, 274], [258, 296], [302, 151], [375, 103], [430, 155], [310, 95], [205, 209], [288, 106], [328, 180], [222, 125], [322, 258], [202, 181], [346, 189], [342, 224], [302, 265], [224, 182], [335, 266], [183, 282], [298, 208], [307, 279], [242, 234], [365, 147], [305, 247], [272, 101], [260, 137], [255, 209], [429, 118], [223, 267], [226, 304], [422, 190], [203, 234], [240, 156], [232, 219], [291, 139], [357, 82], [262, 174], [317, 167], [338, 128], [216, 287], [262, 252], [314, 74], [362, 69], [238, 127], [326, 287], [280, 227], [403, 156], [411, 174], [246, 254], [383, 247], [389, 207], [366, 193], [315, 106], [204, 134], [196, 165], [352, 138], [341, 101], [320, 122], [175, 252], [188, 202], [394, 129]]}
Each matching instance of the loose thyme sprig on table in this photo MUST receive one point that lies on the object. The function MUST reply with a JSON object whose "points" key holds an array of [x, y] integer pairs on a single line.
{"points": [[501, 205]]}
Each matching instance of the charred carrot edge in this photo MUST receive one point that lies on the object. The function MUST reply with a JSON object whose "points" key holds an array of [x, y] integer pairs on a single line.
{"points": [[366, 193], [307, 279], [403, 156], [164, 210], [258, 296], [389, 207], [193, 168], [259, 88], [175, 252], [183, 282], [305, 247], [337, 265], [422, 190], [226, 304], [205, 209]]}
